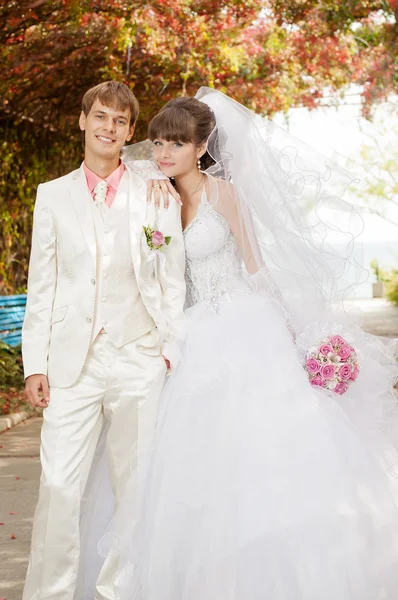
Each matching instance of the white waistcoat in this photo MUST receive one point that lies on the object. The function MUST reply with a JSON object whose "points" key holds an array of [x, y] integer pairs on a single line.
{"points": [[119, 308]]}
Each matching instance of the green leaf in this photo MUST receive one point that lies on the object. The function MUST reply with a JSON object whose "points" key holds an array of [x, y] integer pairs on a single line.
{"points": [[167, 240]]}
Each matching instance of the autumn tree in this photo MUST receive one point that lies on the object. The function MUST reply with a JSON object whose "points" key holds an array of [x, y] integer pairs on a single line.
{"points": [[270, 55]]}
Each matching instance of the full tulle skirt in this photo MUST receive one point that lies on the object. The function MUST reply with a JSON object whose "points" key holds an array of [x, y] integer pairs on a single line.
{"points": [[259, 486]]}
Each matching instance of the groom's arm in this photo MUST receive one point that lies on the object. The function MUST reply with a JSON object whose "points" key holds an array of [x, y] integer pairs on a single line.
{"points": [[158, 185], [41, 289], [172, 281]]}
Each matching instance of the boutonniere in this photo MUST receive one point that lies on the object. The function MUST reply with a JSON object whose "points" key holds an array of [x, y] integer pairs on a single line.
{"points": [[155, 239]]}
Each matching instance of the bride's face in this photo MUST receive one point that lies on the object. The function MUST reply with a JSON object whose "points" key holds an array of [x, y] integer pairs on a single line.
{"points": [[176, 158]]}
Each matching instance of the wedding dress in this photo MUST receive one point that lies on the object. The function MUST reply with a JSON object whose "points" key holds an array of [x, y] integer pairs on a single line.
{"points": [[258, 485]]}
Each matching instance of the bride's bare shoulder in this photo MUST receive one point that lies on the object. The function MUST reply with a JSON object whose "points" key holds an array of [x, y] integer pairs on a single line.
{"points": [[224, 188]]}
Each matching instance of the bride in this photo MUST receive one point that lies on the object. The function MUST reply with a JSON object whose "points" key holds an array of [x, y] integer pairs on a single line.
{"points": [[259, 484]]}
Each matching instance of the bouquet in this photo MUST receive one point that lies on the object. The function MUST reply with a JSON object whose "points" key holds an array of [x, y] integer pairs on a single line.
{"points": [[332, 364]]}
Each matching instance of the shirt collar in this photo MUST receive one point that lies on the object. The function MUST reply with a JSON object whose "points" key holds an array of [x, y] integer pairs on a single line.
{"points": [[113, 179]]}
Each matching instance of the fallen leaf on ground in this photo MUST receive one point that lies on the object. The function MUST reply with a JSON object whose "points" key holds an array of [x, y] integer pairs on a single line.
{"points": [[13, 536]]}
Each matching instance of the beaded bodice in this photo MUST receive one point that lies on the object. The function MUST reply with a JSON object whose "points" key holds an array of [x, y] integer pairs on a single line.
{"points": [[213, 270]]}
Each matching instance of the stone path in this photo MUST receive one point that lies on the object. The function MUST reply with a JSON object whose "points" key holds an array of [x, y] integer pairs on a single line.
{"points": [[379, 316], [19, 476]]}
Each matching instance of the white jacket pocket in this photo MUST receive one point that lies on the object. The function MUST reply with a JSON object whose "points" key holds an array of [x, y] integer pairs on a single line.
{"points": [[58, 314]]}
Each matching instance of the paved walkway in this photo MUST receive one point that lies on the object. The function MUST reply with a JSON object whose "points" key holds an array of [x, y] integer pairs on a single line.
{"points": [[20, 468], [19, 476], [379, 316]]}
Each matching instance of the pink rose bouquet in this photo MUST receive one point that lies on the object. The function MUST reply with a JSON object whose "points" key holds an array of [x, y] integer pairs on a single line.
{"points": [[332, 364]]}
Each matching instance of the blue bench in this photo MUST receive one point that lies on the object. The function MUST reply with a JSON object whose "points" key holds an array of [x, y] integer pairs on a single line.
{"points": [[12, 312]]}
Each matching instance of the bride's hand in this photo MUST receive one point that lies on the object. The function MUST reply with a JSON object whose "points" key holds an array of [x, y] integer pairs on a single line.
{"points": [[161, 188]]}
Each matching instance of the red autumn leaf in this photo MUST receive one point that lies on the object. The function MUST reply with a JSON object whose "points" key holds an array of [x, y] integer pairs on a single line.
{"points": [[13, 536]]}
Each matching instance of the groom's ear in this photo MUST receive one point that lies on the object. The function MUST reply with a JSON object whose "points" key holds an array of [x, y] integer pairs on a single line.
{"points": [[130, 133], [82, 121]]}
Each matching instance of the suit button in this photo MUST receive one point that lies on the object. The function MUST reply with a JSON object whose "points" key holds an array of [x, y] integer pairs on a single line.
{"points": [[88, 319], [93, 281]]}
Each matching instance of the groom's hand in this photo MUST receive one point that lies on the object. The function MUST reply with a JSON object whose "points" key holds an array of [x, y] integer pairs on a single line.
{"points": [[37, 390], [166, 360], [161, 188]]}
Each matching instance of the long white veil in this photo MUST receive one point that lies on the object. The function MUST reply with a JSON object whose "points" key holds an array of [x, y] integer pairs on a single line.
{"points": [[292, 203], [295, 217]]}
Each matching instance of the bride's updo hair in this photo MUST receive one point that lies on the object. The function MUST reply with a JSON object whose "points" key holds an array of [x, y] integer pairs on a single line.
{"points": [[184, 120]]}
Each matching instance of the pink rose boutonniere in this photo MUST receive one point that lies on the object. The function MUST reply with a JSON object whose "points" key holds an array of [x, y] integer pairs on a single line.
{"points": [[332, 364], [155, 239]]}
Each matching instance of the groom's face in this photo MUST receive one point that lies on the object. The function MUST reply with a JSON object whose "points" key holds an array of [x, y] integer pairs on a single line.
{"points": [[106, 130]]}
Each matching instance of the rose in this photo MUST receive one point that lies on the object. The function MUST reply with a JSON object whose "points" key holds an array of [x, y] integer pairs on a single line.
{"points": [[328, 371], [345, 371], [158, 238], [325, 349], [318, 381], [344, 352], [354, 374], [341, 388], [336, 340], [312, 366]]}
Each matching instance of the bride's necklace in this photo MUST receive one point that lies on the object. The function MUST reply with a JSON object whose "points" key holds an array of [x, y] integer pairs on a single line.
{"points": [[186, 199]]}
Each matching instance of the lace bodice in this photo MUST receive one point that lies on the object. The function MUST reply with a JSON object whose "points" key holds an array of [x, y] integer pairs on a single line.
{"points": [[214, 270]]}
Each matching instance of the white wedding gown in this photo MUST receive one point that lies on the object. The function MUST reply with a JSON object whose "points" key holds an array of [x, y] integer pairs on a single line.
{"points": [[259, 487]]}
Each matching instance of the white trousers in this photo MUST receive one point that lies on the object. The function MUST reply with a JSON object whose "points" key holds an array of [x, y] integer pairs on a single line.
{"points": [[121, 385]]}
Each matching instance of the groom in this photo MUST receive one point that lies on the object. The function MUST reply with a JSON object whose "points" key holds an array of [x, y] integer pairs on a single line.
{"points": [[104, 309]]}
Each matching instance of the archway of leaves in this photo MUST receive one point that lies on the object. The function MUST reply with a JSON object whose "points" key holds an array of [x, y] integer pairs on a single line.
{"points": [[269, 55]]}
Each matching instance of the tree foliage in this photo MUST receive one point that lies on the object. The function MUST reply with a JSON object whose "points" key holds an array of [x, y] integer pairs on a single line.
{"points": [[269, 55]]}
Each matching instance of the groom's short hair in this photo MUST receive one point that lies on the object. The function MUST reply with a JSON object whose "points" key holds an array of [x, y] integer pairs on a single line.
{"points": [[113, 94]]}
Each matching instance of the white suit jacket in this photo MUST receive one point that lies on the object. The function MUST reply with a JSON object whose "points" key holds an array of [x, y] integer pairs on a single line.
{"points": [[63, 233]]}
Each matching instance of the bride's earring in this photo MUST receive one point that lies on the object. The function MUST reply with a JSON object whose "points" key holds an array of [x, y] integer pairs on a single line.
{"points": [[199, 165]]}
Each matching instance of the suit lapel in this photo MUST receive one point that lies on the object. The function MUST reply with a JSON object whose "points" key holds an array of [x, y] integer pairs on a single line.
{"points": [[81, 199]]}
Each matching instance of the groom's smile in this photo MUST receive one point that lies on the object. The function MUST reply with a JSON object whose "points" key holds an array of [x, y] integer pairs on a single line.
{"points": [[104, 139]]}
